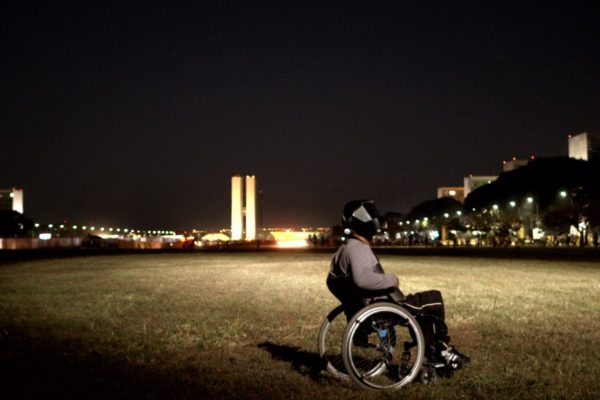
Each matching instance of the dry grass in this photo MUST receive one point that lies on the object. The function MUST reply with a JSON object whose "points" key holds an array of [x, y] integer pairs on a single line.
{"points": [[246, 326]]}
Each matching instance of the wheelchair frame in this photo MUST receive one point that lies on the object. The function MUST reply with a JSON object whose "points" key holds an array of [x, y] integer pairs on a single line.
{"points": [[382, 347]]}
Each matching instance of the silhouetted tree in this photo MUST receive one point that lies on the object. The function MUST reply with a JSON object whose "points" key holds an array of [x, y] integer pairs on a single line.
{"points": [[544, 180], [435, 209], [14, 224]]}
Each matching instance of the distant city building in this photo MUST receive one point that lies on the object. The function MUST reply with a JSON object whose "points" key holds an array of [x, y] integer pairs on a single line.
{"points": [[237, 208], [473, 182], [11, 199], [585, 146], [455, 192], [250, 208], [243, 210], [513, 164]]}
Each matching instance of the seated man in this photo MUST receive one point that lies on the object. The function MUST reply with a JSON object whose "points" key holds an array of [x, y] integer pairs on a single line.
{"points": [[356, 278]]}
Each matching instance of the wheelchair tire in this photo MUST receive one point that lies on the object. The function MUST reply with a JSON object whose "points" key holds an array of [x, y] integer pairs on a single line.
{"points": [[330, 342], [383, 347]]}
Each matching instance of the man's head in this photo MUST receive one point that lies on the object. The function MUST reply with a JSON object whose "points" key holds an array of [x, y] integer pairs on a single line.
{"points": [[361, 217]]}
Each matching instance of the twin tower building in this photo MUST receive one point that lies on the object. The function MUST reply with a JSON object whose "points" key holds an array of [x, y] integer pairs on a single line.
{"points": [[243, 207]]}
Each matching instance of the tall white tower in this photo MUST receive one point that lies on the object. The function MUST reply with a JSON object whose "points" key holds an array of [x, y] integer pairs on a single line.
{"points": [[243, 208], [250, 207], [236, 207]]}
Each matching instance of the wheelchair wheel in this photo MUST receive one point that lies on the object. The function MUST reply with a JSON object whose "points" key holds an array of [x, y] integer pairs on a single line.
{"points": [[383, 347], [330, 342]]}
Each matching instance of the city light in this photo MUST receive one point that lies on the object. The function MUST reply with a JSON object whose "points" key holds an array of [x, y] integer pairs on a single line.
{"points": [[563, 194], [530, 200], [495, 207], [512, 203]]}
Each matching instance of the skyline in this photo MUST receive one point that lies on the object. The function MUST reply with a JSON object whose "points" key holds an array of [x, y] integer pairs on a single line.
{"points": [[138, 116]]}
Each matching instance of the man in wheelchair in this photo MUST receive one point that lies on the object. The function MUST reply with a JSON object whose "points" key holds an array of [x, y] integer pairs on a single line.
{"points": [[357, 279]]}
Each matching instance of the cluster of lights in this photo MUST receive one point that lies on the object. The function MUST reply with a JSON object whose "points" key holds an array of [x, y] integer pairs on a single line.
{"points": [[529, 200], [107, 229], [426, 219]]}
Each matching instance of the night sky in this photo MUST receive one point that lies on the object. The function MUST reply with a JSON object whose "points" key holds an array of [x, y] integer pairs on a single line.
{"points": [[137, 116]]}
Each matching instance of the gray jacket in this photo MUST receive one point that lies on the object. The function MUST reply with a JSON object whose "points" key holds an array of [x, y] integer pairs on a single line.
{"points": [[356, 259]]}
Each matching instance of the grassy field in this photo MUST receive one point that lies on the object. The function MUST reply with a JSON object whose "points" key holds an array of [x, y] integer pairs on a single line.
{"points": [[195, 325]]}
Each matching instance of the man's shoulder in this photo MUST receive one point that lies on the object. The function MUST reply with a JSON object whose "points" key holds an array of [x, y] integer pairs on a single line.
{"points": [[356, 246]]}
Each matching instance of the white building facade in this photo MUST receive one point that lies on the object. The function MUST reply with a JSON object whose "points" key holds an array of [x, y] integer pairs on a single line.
{"points": [[585, 146], [243, 207]]}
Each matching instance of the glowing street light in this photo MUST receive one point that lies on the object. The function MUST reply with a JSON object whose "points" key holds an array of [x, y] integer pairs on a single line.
{"points": [[513, 203], [530, 200], [495, 207], [563, 194]]}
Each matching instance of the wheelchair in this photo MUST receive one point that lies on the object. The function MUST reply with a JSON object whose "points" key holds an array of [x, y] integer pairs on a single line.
{"points": [[381, 347]]}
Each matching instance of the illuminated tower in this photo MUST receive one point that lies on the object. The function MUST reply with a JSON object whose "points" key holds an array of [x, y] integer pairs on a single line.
{"points": [[236, 207], [243, 208], [250, 207]]}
